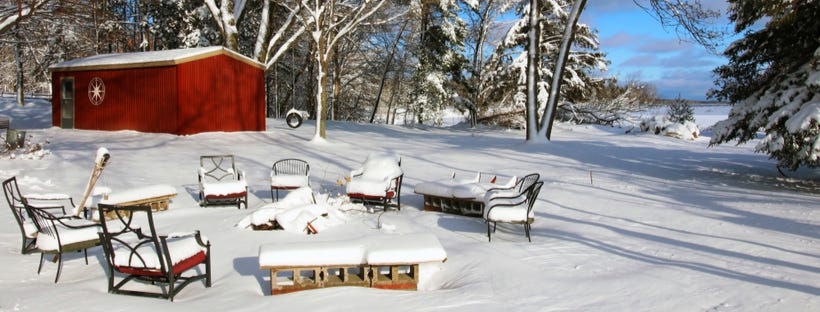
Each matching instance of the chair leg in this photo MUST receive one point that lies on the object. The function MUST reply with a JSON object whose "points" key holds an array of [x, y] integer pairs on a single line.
{"points": [[59, 266], [489, 238], [42, 258], [527, 230], [208, 270]]}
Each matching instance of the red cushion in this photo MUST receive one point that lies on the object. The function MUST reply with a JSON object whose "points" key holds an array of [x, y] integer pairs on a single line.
{"points": [[226, 196], [389, 195], [180, 267]]}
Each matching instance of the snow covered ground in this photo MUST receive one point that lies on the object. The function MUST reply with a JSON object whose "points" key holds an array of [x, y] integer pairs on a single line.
{"points": [[624, 222]]}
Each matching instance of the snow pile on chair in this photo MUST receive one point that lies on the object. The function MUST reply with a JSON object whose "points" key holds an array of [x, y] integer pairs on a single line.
{"points": [[301, 211], [375, 175]]}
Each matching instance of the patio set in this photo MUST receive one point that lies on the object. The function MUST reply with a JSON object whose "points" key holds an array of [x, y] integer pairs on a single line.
{"points": [[123, 224]]}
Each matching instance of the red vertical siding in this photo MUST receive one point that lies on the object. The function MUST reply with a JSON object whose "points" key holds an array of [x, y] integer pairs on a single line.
{"points": [[141, 99], [216, 93], [220, 94]]}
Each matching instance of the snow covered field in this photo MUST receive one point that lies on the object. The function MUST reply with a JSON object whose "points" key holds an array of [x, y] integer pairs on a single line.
{"points": [[624, 222]]}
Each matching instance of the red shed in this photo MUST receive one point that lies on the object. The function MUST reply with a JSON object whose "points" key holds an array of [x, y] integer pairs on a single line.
{"points": [[183, 91]]}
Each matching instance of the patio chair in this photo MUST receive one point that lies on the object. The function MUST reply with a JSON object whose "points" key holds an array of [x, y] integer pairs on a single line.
{"points": [[378, 181], [513, 207], [57, 235], [288, 174], [220, 183], [135, 252], [17, 202]]}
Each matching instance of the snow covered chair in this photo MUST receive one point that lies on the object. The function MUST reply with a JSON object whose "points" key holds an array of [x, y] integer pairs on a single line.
{"points": [[57, 235], [288, 174], [56, 203], [512, 205], [220, 183], [378, 181], [135, 252]]}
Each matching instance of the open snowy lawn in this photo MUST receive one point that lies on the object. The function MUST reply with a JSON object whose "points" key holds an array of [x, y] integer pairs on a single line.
{"points": [[624, 222]]}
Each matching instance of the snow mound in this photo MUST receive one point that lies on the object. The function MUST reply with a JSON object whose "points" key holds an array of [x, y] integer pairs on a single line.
{"points": [[664, 126]]}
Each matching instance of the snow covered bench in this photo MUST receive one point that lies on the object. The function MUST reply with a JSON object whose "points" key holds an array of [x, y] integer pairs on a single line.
{"points": [[157, 197], [459, 196], [386, 262]]}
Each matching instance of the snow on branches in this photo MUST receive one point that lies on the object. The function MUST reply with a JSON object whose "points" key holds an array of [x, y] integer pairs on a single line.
{"points": [[788, 112]]}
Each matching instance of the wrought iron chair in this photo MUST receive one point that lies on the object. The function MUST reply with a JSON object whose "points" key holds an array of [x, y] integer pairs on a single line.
{"points": [[57, 235], [512, 206], [288, 174], [220, 183], [378, 181], [135, 252], [17, 202]]}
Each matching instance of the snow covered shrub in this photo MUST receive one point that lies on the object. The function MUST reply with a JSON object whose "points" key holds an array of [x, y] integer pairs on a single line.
{"points": [[663, 125], [680, 111]]}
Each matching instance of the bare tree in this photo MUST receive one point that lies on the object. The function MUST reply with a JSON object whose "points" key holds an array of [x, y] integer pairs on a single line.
{"points": [[329, 21], [689, 18], [11, 12]]}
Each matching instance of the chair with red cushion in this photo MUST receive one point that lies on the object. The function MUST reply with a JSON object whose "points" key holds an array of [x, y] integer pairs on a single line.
{"points": [[136, 253], [378, 181], [220, 183], [288, 174]]}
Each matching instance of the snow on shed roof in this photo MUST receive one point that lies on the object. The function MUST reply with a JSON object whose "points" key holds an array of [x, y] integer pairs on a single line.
{"points": [[148, 59]]}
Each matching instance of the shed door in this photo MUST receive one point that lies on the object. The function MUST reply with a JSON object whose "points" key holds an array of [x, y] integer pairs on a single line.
{"points": [[67, 102]]}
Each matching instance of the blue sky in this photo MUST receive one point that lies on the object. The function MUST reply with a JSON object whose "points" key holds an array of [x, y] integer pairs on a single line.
{"points": [[639, 48]]}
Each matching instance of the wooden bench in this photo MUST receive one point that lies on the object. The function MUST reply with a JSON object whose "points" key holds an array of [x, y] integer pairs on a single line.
{"points": [[386, 262], [158, 197]]}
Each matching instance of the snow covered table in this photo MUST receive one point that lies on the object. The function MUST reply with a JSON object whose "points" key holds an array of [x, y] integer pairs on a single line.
{"points": [[459, 196], [385, 261], [156, 196]]}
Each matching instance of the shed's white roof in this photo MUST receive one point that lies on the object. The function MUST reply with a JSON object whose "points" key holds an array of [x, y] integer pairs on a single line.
{"points": [[147, 59]]}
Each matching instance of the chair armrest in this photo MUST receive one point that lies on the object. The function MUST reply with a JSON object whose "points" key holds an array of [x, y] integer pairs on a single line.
{"points": [[66, 221], [201, 240], [357, 172], [200, 173], [240, 174]]}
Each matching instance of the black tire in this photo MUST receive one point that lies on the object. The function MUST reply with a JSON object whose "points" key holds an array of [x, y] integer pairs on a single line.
{"points": [[294, 120]]}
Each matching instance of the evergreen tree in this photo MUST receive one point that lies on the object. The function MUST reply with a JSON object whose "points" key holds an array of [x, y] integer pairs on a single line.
{"points": [[441, 61], [508, 64], [680, 111], [772, 79]]}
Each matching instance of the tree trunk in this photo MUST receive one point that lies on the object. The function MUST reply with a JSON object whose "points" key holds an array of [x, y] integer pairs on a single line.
{"points": [[478, 61], [533, 52], [321, 95], [560, 64], [387, 71], [18, 60]]}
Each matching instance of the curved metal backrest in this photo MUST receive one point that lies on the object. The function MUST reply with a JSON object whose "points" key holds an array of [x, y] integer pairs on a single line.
{"points": [[130, 228], [15, 200], [527, 181], [291, 166], [218, 167], [532, 195], [45, 223]]}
